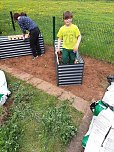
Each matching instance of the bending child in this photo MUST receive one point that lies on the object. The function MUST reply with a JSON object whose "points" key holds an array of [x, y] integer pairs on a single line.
{"points": [[26, 23], [71, 37]]}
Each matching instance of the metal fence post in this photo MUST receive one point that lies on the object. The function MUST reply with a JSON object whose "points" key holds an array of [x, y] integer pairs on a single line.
{"points": [[13, 24], [53, 29]]}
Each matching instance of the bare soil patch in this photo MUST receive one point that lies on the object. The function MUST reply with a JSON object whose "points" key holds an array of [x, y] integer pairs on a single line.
{"points": [[94, 79]]}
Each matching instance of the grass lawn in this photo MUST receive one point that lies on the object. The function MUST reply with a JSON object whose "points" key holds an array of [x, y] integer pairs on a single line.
{"points": [[38, 121], [95, 20]]}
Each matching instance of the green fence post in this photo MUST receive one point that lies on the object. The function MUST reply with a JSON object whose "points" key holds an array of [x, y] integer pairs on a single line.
{"points": [[12, 20], [53, 29]]}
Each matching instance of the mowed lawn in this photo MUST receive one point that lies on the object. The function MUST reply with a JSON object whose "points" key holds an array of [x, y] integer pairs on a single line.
{"points": [[42, 11]]}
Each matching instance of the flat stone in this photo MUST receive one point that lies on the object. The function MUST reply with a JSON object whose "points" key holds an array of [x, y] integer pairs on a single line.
{"points": [[34, 81], [67, 96], [44, 86], [23, 76], [55, 91], [80, 104]]}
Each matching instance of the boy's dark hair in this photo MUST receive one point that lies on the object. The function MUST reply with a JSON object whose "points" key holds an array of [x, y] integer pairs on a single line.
{"points": [[23, 14], [67, 15], [15, 16]]}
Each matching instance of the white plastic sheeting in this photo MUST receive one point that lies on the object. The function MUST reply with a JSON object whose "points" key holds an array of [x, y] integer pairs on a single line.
{"points": [[4, 92], [109, 95]]}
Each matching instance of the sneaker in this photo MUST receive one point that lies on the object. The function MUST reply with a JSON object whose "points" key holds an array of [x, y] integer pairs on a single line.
{"points": [[33, 58], [39, 55]]}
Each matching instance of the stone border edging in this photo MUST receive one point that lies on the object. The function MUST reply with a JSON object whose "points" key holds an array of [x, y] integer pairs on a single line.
{"points": [[77, 102]]}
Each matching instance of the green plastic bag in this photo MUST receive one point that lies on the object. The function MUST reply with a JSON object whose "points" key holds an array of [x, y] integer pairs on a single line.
{"points": [[99, 107], [2, 99], [96, 108], [84, 140]]}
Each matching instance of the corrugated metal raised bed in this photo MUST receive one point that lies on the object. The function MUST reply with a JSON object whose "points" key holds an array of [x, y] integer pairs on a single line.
{"points": [[14, 46], [69, 74]]}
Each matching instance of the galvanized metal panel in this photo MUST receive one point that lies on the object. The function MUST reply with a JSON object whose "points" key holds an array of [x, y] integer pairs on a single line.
{"points": [[69, 74], [17, 47], [70, 83], [69, 77]]}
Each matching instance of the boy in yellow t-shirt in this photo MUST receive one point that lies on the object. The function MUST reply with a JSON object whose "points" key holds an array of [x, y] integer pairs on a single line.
{"points": [[71, 37]]}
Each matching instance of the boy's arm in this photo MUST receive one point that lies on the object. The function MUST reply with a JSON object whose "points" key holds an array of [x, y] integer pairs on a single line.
{"points": [[22, 28], [58, 46], [77, 43]]}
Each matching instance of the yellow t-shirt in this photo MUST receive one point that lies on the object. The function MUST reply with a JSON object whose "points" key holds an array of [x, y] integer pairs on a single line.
{"points": [[69, 36]]}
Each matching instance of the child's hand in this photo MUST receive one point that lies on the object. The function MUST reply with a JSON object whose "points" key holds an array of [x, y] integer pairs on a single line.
{"points": [[57, 50], [75, 49], [23, 36]]}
